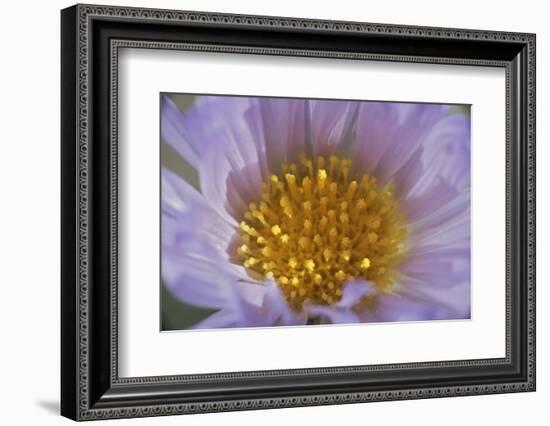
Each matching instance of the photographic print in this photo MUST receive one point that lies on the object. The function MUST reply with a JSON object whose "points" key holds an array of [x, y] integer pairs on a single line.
{"points": [[287, 211]]}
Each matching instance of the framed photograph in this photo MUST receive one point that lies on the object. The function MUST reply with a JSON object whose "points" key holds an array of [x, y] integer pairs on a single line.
{"points": [[263, 212]]}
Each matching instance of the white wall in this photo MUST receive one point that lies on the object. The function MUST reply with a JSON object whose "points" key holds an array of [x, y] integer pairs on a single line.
{"points": [[29, 210]]}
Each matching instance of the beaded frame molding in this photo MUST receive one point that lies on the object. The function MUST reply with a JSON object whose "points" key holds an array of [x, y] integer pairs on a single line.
{"points": [[91, 37]]}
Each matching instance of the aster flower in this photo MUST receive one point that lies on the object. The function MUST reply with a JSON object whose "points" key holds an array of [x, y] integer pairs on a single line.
{"points": [[317, 211]]}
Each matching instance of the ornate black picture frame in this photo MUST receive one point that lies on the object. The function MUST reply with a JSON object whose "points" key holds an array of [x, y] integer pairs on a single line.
{"points": [[90, 39]]}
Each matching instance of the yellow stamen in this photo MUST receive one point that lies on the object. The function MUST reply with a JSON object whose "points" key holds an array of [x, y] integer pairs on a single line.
{"points": [[317, 226], [365, 263], [340, 275], [309, 265]]}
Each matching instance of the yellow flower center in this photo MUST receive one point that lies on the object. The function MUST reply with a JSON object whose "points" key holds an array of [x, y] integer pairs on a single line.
{"points": [[316, 228]]}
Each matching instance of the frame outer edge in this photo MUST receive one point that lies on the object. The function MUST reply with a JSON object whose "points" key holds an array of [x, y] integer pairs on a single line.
{"points": [[531, 201], [69, 283]]}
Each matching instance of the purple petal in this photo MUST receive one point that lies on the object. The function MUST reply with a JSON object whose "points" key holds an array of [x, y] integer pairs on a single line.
{"points": [[284, 128], [440, 194], [456, 207], [224, 318], [375, 133], [238, 316], [454, 232], [210, 120], [354, 291], [410, 173], [446, 168], [333, 125], [454, 299], [447, 153], [229, 188], [276, 309], [194, 238], [178, 197], [184, 209], [414, 124], [389, 134], [174, 130], [440, 269], [222, 137], [193, 272], [342, 312], [457, 299], [406, 307], [233, 159]]}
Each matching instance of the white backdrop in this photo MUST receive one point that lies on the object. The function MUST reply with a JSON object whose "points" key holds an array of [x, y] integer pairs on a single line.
{"points": [[29, 225]]}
